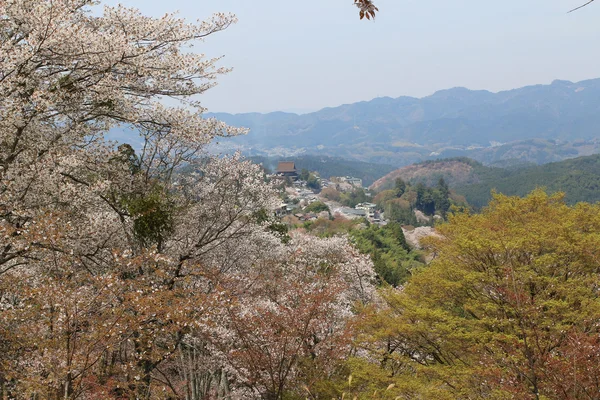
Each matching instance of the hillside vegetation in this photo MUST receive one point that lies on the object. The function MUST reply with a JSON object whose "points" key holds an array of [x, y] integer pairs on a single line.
{"points": [[454, 171], [578, 178], [506, 310], [167, 272]]}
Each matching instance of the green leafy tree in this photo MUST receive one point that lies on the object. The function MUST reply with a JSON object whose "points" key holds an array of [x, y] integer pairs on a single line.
{"points": [[507, 309], [152, 215], [397, 213], [316, 207], [313, 182], [399, 187], [127, 155], [353, 198], [391, 255], [304, 174], [274, 225], [383, 197], [425, 199], [442, 198]]}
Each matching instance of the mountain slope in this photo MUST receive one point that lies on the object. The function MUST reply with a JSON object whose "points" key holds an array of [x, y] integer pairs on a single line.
{"points": [[457, 172], [578, 178], [456, 119]]}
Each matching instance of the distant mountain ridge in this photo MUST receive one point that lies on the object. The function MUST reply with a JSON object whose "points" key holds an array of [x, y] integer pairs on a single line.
{"points": [[450, 122]]}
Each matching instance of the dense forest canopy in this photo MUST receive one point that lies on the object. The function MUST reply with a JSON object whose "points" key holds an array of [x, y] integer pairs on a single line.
{"points": [[507, 309], [578, 178]]}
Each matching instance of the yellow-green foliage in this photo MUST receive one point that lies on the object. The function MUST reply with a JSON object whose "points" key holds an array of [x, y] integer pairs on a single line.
{"points": [[508, 308]]}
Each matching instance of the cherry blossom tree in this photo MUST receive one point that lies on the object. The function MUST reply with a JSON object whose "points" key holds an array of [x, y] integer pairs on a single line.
{"points": [[67, 77], [122, 275], [293, 316]]}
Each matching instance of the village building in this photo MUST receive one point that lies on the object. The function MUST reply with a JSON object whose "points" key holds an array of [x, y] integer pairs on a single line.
{"points": [[287, 168], [351, 213], [346, 183], [284, 209], [355, 182], [368, 207]]}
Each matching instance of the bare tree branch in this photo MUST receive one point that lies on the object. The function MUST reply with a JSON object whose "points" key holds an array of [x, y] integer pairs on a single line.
{"points": [[581, 6]]}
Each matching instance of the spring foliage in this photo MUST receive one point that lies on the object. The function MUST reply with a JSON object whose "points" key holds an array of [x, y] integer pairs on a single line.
{"points": [[121, 277], [508, 308]]}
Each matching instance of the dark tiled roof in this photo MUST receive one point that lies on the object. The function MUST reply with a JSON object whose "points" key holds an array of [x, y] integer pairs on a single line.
{"points": [[286, 166]]}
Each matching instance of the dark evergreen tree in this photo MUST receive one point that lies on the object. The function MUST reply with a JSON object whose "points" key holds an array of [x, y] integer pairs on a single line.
{"points": [[304, 174], [399, 187], [442, 201], [400, 215], [312, 182], [425, 199]]}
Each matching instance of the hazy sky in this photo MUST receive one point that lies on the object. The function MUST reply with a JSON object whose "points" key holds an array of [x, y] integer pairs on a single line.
{"points": [[304, 55]]}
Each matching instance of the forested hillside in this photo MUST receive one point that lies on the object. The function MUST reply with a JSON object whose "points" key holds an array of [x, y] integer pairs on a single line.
{"points": [[455, 171], [506, 310], [579, 178], [458, 116]]}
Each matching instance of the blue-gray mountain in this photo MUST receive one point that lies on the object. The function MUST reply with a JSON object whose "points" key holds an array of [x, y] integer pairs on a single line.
{"points": [[539, 124]]}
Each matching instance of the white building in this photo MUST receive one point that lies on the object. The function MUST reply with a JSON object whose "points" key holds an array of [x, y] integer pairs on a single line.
{"points": [[369, 209]]}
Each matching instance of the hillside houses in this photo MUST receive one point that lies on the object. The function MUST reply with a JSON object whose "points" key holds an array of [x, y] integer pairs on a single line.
{"points": [[355, 182], [298, 194], [361, 210], [345, 183], [350, 213]]}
